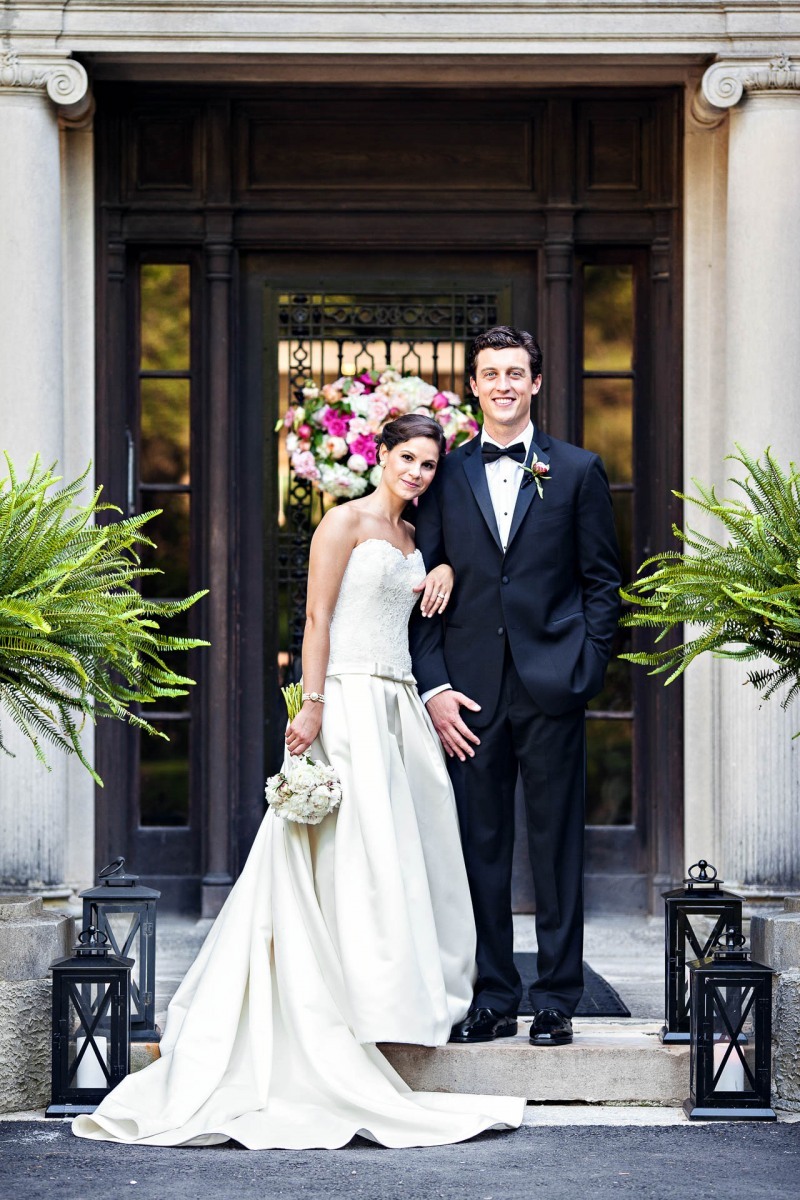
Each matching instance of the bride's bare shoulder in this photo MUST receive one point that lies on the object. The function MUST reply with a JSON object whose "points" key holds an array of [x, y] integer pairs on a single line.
{"points": [[340, 524]]}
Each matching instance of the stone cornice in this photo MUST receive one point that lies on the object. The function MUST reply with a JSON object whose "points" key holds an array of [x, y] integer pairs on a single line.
{"points": [[704, 28], [62, 79]]}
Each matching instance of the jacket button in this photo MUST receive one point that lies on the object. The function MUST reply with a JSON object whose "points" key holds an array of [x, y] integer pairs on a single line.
{"points": [[505, 579], [501, 631]]}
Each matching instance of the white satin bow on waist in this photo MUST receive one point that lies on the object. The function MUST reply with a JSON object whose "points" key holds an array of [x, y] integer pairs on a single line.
{"points": [[381, 669]]}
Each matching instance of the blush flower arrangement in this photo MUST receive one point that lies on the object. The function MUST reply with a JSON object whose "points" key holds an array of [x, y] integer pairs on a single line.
{"points": [[330, 431]]}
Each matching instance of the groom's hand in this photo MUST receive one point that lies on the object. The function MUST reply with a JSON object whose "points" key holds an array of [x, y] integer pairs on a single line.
{"points": [[444, 709]]}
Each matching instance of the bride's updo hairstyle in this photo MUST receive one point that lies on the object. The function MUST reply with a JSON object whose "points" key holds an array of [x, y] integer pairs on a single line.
{"points": [[412, 425]]}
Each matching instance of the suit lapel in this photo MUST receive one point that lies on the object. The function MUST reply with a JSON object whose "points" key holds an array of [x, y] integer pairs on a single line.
{"points": [[476, 475], [528, 490]]}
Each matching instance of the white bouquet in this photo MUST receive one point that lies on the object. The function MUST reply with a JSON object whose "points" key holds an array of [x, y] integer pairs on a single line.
{"points": [[307, 790]]}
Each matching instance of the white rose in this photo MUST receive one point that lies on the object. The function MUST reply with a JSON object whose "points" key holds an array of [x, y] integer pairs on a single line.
{"points": [[375, 475], [357, 463], [299, 415], [291, 442], [359, 403]]}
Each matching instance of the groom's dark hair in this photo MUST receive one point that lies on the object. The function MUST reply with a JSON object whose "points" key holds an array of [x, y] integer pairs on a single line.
{"points": [[500, 338]]}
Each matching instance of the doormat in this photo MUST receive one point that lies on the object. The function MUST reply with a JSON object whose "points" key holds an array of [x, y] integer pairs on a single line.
{"points": [[599, 998]]}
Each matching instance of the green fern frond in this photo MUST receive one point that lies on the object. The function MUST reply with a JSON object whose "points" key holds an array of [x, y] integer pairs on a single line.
{"points": [[742, 594], [77, 640]]}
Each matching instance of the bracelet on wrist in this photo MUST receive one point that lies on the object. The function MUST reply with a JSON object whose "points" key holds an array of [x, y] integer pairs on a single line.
{"points": [[317, 697]]}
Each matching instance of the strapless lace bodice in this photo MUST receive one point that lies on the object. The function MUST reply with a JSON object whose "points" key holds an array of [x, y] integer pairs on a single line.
{"points": [[369, 628]]}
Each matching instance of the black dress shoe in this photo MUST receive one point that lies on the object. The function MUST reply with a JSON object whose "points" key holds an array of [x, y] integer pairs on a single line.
{"points": [[551, 1028], [483, 1025]]}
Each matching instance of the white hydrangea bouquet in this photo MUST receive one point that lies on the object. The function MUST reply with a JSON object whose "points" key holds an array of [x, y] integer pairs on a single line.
{"points": [[307, 790]]}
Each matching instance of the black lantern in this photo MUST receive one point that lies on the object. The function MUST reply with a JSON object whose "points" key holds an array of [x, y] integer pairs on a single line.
{"points": [[126, 913], [695, 917], [91, 1014], [731, 1045]]}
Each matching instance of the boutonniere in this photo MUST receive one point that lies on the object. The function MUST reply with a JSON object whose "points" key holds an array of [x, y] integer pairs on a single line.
{"points": [[535, 473]]}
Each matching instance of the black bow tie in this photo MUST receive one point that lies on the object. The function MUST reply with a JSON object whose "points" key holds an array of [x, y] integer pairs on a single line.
{"points": [[490, 453]]}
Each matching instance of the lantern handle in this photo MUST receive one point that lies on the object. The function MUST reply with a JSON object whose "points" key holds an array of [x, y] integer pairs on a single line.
{"points": [[706, 873], [732, 939], [113, 868], [92, 940]]}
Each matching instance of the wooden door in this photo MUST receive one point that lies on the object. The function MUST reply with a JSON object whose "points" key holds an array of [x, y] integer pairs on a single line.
{"points": [[557, 211]]}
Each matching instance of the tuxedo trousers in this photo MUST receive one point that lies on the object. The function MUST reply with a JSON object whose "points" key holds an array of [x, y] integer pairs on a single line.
{"points": [[550, 754]]}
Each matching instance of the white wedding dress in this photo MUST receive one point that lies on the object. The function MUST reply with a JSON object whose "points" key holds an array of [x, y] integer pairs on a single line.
{"points": [[336, 936]]}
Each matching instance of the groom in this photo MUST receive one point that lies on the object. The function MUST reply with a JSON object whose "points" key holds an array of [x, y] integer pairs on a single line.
{"points": [[526, 522]]}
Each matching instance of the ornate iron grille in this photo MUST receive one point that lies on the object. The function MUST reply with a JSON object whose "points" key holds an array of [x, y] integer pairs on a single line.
{"points": [[325, 335]]}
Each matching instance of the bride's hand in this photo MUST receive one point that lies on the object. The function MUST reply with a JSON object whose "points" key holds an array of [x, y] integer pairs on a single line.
{"points": [[304, 729], [436, 588]]}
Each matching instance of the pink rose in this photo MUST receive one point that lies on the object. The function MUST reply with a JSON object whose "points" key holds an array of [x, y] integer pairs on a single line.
{"points": [[364, 445], [304, 431], [331, 393], [366, 379], [336, 423], [288, 420], [334, 447], [357, 463], [540, 468], [357, 426], [439, 401], [378, 411], [304, 465]]}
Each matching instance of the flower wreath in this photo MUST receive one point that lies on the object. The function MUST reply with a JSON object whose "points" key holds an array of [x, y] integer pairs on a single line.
{"points": [[330, 432]]}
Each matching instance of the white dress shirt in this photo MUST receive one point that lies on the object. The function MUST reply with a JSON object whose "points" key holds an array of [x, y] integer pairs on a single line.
{"points": [[504, 477]]}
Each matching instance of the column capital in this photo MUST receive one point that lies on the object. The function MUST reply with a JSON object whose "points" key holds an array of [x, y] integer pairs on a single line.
{"points": [[727, 81], [62, 79]]}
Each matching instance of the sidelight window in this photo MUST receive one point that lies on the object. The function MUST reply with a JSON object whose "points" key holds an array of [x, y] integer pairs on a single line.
{"points": [[160, 477], [608, 387]]}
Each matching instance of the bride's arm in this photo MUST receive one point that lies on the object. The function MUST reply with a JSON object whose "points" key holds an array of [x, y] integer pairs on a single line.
{"points": [[331, 547]]}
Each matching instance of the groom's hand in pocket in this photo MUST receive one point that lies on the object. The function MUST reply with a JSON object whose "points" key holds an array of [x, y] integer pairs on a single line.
{"points": [[445, 712]]}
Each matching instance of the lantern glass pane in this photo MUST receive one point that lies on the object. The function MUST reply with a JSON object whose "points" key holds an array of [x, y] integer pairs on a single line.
{"points": [[697, 932], [88, 1056], [734, 1040], [123, 929]]}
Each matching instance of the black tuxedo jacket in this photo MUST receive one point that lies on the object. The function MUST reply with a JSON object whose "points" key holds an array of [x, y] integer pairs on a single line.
{"points": [[554, 593]]}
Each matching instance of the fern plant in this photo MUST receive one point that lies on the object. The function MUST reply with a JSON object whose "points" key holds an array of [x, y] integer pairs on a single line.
{"points": [[77, 640], [742, 594]]}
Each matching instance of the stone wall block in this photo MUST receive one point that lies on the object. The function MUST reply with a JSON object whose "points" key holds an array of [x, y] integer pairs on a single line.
{"points": [[30, 939], [775, 940], [786, 1041]]}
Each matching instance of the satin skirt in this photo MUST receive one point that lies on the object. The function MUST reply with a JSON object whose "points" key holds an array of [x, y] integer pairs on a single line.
{"points": [[337, 936]]}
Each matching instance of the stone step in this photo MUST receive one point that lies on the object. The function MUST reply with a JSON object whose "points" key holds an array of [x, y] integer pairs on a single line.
{"points": [[608, 1063]]}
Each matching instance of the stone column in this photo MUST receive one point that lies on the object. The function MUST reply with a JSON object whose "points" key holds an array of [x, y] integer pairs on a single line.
{"points": [[758, 766], [33, 803]]}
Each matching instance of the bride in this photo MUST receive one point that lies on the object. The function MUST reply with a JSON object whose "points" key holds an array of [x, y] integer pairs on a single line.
{"points": [[345, 934]]}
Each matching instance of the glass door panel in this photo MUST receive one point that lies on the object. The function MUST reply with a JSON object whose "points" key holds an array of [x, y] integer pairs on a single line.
{"points": [[607, 403]]}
